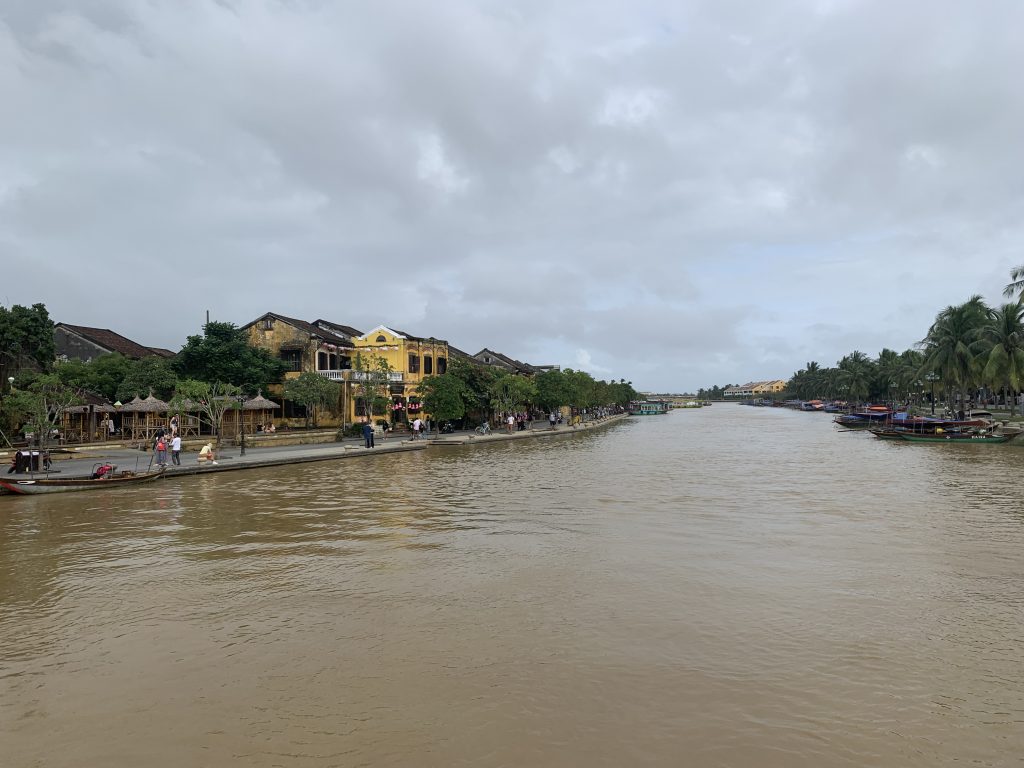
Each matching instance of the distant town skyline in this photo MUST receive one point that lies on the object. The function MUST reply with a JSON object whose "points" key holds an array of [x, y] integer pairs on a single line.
{"points": [[679, 194]]}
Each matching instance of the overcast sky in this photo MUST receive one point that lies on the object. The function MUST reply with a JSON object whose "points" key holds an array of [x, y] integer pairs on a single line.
{"points": [[677, 193]]}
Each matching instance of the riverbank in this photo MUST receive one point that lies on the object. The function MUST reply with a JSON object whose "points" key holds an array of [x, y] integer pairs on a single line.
{"points": [[79, 462]]}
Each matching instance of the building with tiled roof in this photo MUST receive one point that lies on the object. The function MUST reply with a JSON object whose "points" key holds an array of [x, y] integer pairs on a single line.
{"points": [[490, 357], [80, 342]]}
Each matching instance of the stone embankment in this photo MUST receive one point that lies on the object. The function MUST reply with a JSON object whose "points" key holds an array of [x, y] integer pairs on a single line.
{"points": [[285, 449]]}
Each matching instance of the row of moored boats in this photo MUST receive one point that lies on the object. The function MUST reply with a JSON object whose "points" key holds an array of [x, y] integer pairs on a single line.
{"points": [[887, 424]]}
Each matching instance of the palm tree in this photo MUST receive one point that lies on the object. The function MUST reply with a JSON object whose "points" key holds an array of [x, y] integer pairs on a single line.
{"points": [[888, 368], [855, 374], [1016, 287], [908, 377], [1001, 348], [948, 347]]}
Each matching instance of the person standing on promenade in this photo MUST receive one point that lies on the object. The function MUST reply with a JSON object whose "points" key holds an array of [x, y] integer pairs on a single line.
{"points": [[176, 450], [161, 451], [384, 431], [510, 420], [368, 434], [417, 425], [552, 419]]}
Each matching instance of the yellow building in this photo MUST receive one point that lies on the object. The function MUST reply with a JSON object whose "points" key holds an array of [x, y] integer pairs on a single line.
{"points": [[337, 351], [318, 347], [410, 358], [768, 387]]}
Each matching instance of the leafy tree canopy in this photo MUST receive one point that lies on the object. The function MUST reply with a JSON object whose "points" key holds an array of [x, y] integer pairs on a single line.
{"points": [[26, 340], [40, 406], [102, 375], [372, 372], [511, 393], [150, 374], [211, 401], [443, 397], [313, 391], [223, 354]]}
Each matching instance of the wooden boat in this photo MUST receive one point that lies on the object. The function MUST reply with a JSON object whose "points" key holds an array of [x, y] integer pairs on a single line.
{"points": [[955, 437], [649, 408], [34, 487]]}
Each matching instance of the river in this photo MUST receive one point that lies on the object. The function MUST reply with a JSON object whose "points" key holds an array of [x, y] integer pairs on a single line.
{"points": [[718, 587]]}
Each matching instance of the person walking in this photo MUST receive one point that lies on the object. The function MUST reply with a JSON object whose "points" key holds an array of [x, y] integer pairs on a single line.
{"points": [[384, 427], [417, 425], [552, 419], [368, 434], [176, 450], [510, 420]]}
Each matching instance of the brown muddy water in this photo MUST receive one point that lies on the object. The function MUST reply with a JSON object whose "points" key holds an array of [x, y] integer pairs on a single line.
{"points": [[717, 587]]}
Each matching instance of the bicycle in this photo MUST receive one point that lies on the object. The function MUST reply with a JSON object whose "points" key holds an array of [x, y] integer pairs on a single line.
{"points": [[484, 429]]}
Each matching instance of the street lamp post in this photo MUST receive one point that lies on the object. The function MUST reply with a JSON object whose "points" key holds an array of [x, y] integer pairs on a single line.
{"points": [[10, 388], [932, 378], [241, 424]]}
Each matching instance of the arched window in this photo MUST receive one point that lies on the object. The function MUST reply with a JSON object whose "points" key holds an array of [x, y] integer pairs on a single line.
{"points": [[381, 339]]}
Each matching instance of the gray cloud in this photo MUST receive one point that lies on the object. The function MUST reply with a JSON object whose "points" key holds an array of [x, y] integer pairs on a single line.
{"points": [[678, 194]]}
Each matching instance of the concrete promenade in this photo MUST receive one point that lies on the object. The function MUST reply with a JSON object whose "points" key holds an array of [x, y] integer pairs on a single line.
{"points": [[79, 462]]}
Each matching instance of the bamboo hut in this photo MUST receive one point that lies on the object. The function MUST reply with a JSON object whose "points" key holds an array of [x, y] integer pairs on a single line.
{"points": [[189, 422], [147, 418], [254, 411], [81, 423], [259, 410]]}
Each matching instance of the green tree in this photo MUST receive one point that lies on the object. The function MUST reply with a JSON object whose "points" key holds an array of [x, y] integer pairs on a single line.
{"points": [[1001, 349], [888, 369], [372, 375], [856, 371], [622, 393], [552, 390], [211, 401], [150, 374], [101, 375], [26, 340], [949, 348], [41, 406], [477, 380], [223, 354], [1016, 285], [443, 397], [581, 389], [313, 391], [510, 393]]}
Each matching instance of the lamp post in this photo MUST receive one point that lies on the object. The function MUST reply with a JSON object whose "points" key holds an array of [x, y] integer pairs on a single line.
{"points": [[241, 423], [10, 388], [932, 378]]}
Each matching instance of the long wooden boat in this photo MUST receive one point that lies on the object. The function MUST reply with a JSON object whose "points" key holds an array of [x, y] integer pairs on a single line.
{"points": [[961, 437], [649, 408], [34, 487]]}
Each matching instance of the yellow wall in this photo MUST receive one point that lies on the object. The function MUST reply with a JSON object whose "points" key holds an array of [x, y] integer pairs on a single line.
{"points": [[395, 349]]}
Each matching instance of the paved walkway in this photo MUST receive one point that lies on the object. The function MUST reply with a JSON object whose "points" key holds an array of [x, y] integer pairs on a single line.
{"points": [[80, 462]]}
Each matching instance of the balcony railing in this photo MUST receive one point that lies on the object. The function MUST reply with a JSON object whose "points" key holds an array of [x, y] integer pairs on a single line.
{"points": [[349, 375]]}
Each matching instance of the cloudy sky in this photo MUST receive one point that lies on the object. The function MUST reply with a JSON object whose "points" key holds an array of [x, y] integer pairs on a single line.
{"points": [[678, 193]]}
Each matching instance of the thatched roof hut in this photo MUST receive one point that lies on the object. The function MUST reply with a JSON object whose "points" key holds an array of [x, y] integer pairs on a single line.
{"points": [[79, 422], [146, 417], [260, 403]]}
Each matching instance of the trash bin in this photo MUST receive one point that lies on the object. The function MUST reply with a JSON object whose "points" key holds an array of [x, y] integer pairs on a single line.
{"points": [[26, 461]]}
